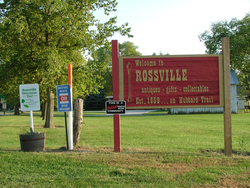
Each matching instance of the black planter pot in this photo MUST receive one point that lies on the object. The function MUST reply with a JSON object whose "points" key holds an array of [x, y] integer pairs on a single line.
{"points": [[34, 142]]}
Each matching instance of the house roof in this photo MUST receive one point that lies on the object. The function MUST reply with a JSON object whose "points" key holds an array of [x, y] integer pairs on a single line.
{"points": [[233, 77]]}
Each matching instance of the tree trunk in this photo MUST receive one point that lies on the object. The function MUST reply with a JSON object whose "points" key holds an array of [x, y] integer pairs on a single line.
{"points": [[44, 110], [17, 109], [77, 122], [49, 121]]}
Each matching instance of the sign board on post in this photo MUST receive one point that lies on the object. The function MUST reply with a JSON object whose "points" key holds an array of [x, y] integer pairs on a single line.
{"points": [[64, 98], [171, 81], [115, 107], [29, 97], [4, 105], [174, 82]]}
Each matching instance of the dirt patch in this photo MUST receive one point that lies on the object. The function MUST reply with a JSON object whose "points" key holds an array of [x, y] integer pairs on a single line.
{"points": [[138, 158], [177, 168], [229, 182]]}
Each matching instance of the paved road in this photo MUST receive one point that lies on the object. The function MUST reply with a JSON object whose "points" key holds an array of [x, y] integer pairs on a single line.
{"points": [[128, 112], [137, 112]]}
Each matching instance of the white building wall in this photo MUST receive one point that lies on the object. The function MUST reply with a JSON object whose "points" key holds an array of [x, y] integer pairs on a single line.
{"points": [[241, 102], [234, 99]]}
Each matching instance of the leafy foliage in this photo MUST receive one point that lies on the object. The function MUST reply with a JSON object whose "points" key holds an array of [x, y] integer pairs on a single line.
{"points": [[39, 38], [128, 49], [95, 101], [239, 33], [102, 63]]}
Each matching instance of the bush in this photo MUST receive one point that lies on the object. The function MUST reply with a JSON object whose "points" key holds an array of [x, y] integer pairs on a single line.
{"points": [[95, 101]]}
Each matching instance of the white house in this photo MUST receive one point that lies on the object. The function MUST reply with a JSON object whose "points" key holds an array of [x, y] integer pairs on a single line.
{"points": [[241, 97]]}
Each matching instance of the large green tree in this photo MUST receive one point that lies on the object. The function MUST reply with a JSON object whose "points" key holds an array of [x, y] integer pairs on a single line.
{"points": [[39, 38], [239, 33], [102, 62]]}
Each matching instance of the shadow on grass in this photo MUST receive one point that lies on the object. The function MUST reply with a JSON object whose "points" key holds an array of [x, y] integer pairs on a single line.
{"points": [[57, 126]]}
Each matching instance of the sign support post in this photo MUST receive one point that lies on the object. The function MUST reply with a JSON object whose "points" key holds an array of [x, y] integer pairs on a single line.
{"points": [[31, 121], [66, 129], [64, 103], [173, 82], [227, 98], [116, 117], [30, 100], [70, 112]]}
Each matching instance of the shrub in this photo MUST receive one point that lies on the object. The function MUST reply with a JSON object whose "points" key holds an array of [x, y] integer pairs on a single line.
{"points": [[95, 101]]}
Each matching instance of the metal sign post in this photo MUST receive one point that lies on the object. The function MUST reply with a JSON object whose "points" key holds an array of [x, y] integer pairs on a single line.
{"points": [[64, 103], [70, 113]]}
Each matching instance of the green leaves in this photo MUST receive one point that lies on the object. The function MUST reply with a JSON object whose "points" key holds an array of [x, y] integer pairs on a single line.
{"points": [[239, 32], [101, 65], [39, 38]]}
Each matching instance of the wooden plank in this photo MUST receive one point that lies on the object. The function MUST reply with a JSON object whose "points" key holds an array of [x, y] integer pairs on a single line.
{"points": [[227, 98], [116, 118]]}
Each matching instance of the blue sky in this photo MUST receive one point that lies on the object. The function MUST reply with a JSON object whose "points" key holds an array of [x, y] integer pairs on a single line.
{"points": [[173, 26]]}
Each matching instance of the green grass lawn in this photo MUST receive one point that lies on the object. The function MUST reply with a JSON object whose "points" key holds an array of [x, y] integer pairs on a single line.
{"points": [[157, 151]]}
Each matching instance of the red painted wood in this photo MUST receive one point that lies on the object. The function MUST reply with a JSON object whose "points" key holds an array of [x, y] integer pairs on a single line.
{"points": [[117, 133], [70, 75], [116, 118], [171, 81]]}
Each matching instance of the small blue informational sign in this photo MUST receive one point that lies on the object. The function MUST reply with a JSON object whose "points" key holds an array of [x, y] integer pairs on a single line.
{"points": [[64, 98]]}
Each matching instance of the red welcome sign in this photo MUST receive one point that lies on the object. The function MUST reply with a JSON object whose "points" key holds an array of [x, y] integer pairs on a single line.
{"points": [[171, 81]]}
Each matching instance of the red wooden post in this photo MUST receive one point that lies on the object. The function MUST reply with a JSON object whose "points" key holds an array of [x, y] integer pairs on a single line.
{"points": [[116, 118]]}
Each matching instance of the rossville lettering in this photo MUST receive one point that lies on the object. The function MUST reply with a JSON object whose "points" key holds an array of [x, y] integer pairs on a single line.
{"points": [[161, 75]]}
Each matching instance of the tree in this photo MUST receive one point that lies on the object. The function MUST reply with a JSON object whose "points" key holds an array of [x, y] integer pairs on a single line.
{"points": [[128, 49], [154, 54], [102, 63], [39, 38], [95, 101], [239, 32]]}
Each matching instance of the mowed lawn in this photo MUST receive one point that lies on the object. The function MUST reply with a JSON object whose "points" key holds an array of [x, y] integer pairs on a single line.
{"points": [[157, 151]]}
